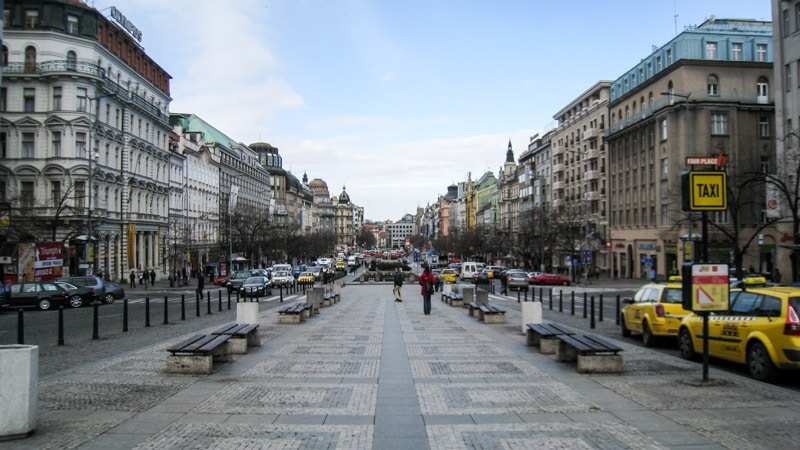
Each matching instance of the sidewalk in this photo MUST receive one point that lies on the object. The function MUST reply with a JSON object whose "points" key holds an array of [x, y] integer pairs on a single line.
{"points": [[371, 373]]}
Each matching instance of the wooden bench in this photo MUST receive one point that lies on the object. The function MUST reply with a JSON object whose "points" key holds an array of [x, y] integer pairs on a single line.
{"points": [[594, 355], [491, 314], [452, 298], [242, 336], [198, 353], [473, 308], [543, 335], [329, 298], [295, 313]]}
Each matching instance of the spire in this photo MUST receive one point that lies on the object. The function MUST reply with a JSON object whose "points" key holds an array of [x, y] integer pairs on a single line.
{"points": [[510, 153]]}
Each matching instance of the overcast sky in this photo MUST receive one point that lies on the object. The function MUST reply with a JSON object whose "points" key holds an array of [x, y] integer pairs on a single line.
{"points": [[396, 100]]}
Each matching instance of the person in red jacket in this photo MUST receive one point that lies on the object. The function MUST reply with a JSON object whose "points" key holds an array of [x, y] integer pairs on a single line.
{"points": [[428, 282]]}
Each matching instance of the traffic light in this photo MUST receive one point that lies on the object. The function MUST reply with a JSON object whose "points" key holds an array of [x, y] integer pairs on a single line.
{"points": [[608, 244]]}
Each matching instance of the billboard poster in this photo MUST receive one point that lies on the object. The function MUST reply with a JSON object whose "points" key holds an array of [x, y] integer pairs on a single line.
{"points": [[48, 260]]}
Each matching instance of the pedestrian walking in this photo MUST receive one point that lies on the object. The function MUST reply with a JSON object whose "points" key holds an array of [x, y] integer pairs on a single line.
{"points": [[133, 278], [200, 284], [777, 276], [428, 282], [398, 284], [503, 283], [143, 277], [152, 277]]}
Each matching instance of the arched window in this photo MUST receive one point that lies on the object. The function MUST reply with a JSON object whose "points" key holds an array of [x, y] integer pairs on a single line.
{"points": [[671, 90], [650, 100], [762, 87], [712, 85], [30, 59], [72, 60], [634, 108]]}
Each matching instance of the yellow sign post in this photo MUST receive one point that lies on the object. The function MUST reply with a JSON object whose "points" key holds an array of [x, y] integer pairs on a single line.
{"points": [[708, 191], [710, 287]]}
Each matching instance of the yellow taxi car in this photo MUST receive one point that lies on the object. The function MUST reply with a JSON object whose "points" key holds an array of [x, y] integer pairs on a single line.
{"points": [[654, 311], [449, 275], [305, 278], [760, 329], [340, 265]]}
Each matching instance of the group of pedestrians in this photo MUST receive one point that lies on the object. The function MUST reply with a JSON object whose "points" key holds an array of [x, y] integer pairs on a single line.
{"points": [[145, 277], [427, 281]]}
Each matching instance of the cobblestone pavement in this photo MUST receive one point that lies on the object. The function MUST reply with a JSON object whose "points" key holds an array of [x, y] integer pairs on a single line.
{"points": [[371, 373]]}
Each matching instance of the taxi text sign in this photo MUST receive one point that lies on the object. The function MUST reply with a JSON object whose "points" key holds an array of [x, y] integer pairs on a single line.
{"points": [[708, 191], [710, 288]]}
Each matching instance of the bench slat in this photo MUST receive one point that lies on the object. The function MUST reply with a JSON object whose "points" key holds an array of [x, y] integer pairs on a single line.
{"points": [[214, 343], [187, 342], [589, 344]]}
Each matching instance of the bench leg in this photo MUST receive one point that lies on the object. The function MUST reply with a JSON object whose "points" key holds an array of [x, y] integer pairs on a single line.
{"points": [[600, 363], [254, 339], [494, 318], [290, 319], [532, 339], [238, 345], [566, 352], [224, 352], [548, 346], [189, 364]]}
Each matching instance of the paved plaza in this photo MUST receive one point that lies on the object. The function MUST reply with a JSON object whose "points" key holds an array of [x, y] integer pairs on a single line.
{"points": [[368, 372]]}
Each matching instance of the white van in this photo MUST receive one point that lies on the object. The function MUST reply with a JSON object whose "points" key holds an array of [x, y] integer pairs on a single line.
{"points": [[470, 268], [281, 268], [351, 261]]}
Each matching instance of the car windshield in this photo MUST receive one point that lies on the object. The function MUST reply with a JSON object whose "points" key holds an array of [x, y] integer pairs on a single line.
{"points": [[254, 280], [672, 296], [282, 274]]}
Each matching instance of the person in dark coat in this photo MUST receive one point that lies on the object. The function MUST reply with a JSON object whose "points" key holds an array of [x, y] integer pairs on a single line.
{"points": [[424, 279], [398, 284], [201, 281]]}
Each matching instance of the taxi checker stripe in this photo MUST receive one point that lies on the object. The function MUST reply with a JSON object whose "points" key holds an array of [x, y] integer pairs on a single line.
{"points": [[737, 318]]}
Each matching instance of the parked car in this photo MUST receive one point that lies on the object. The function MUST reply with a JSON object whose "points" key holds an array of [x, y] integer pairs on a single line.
{"points": [[494, 271], [656, 310], [256, 287], [235, 282], [223, 280], [531, 275], [306, 278], [761, 329], [78, 296], [114, 292], [41, 294], [551, 279], [89, 280], [481, 278], [516, 280], [316, 271], [282, 278], [449, 275]]}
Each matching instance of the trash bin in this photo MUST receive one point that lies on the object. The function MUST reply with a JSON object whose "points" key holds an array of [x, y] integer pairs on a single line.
{"points": [[19, 390]]}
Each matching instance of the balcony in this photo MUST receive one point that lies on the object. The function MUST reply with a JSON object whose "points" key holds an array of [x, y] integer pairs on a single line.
{"points": [[558, 168], [592, 154], [591, 175], [558, 185], [590, 133], [557, 203]]}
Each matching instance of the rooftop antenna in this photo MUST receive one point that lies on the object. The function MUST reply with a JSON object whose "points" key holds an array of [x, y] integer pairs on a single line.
{"points": [[675, 15]]}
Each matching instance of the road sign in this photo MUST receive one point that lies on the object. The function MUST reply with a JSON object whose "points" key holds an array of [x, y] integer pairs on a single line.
{"points": [[708, 191], [586, 256], [710, 284]]}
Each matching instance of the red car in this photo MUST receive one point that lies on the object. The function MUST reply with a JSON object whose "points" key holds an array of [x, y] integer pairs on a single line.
{"points": [[551, 278], [219, 281]]}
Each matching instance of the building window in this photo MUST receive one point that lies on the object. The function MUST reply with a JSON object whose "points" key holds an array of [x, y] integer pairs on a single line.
{"points": [[3, 146], [669, 56], [765, 165], [785, 27], [665, 214], [787, 69], [28, 147], [56, 143], [658, 63], [712, 84], [80, 145], [55, 193], [763, 126], [72, 24], [3, 99], [82, 100], [664, 168], [80, 194], [719, 123], [736, 51], [711, 50], [57, 98], [5, 55], [26, 194], [663, 129], [72, 60], [31, 18], [761, 52], [30, 59], [29, 99], [762, 89]]}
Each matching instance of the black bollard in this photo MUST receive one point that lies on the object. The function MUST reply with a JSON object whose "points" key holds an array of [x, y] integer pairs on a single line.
{"points": [[237, 296], [147, 311], [96, 322], [166, 311], [601, 308], [591, 321], [585, 312], [125, 315], [572, 308], [208, 302], [561, 301], [280, 288], [197, 304], [551, 299], [229, 299], [519, 293], [219, 300], [616, 321], [61, 325], [20, 328]]}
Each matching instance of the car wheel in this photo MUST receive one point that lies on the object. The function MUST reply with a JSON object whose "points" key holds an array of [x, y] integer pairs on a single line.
{"points": [[109, 299], [647, 336], [75, 301], [566, 283], [759, 363], [44, 304], [685, 344], [625, 331]]}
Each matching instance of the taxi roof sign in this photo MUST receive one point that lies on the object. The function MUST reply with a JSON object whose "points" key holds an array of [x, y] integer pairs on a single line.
{"points": [[709, 191]]}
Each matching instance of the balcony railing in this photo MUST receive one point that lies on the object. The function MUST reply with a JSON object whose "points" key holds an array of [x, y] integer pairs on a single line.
{"points": [[53, 67]]}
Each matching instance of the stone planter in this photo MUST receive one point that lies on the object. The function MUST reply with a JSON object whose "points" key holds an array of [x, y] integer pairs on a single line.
{"points": [[19, 390]]}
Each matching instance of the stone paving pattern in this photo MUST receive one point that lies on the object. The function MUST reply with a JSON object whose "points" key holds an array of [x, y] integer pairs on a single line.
{"points": [[453, 383]]}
